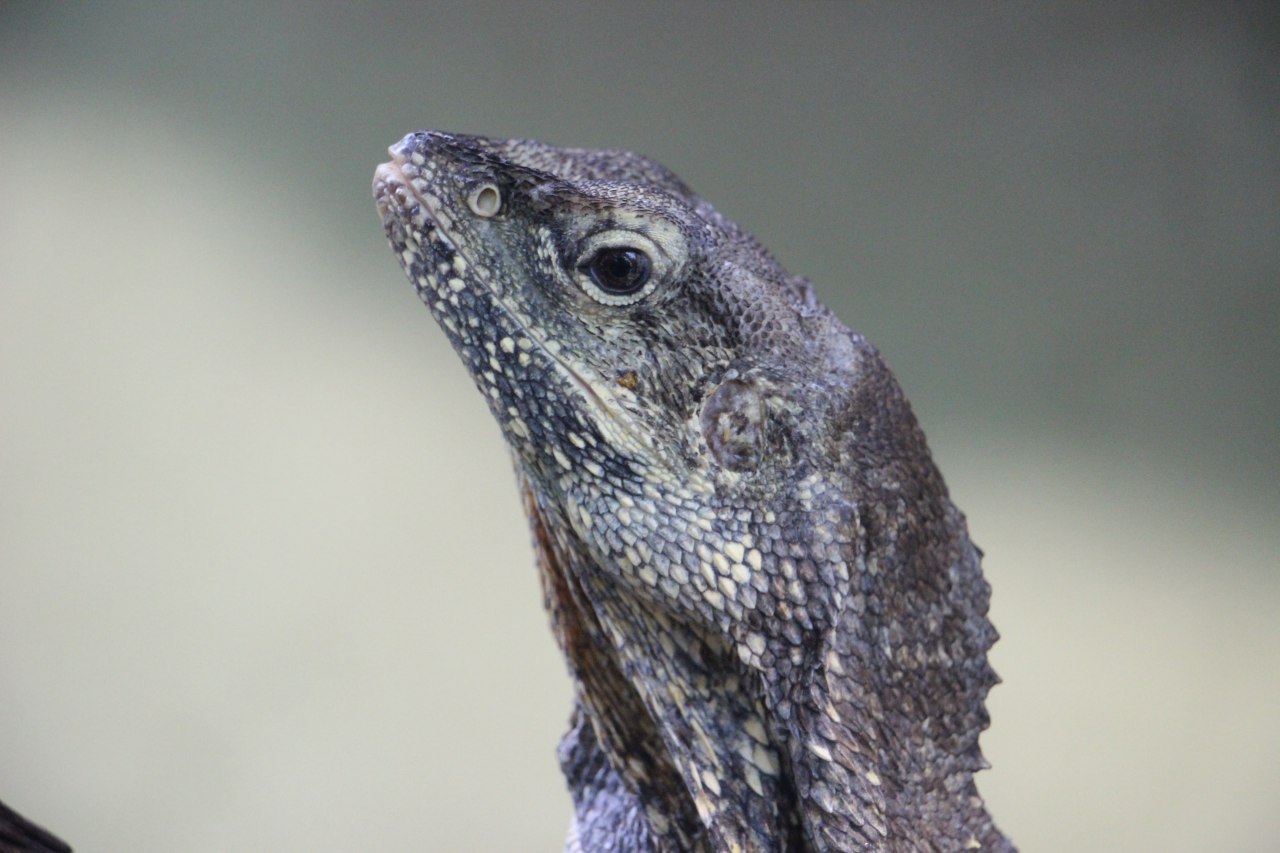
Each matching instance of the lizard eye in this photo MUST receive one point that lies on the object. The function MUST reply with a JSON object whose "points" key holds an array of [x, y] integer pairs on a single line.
{"points": [[619, 270], [621, 266]]}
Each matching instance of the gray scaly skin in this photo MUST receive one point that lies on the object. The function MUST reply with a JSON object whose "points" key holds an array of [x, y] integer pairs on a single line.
{"points": [[773, 615]]}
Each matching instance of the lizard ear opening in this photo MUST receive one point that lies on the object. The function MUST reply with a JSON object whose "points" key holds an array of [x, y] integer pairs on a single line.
{"points": [[733, 425]]}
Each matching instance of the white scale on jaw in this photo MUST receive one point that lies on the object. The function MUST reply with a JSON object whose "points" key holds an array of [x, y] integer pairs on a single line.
{"points": [[725, 581], [616, 424]]}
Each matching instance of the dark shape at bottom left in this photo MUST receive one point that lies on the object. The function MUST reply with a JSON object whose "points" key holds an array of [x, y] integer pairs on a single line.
{"points": [[19, 835]]}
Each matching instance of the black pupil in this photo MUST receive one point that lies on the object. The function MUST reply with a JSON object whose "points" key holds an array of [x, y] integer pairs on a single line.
{"points": [[619, 271]]}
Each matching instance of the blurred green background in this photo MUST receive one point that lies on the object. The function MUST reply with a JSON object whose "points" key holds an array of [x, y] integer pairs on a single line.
{"points": [[264, 579]]}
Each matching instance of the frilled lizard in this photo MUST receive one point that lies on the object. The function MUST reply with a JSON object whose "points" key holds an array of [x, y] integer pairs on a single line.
{"points": [[772, 612]]}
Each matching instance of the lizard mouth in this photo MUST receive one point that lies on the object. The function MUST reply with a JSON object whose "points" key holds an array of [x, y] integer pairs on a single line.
{"points": [[418, 224]]}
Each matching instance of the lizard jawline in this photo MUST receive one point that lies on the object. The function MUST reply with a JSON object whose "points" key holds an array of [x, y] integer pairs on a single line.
{"points": [[392, 174]]}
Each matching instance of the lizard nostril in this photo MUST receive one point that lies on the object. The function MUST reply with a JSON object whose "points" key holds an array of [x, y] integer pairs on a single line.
{"points": [[484, 200]]}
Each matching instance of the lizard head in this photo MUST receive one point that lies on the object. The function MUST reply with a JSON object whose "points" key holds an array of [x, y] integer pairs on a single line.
{"points": [[731, 498], [612, 318]]}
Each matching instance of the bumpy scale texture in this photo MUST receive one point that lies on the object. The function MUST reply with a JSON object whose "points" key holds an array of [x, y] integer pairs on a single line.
{"points": [[772, 612]]}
